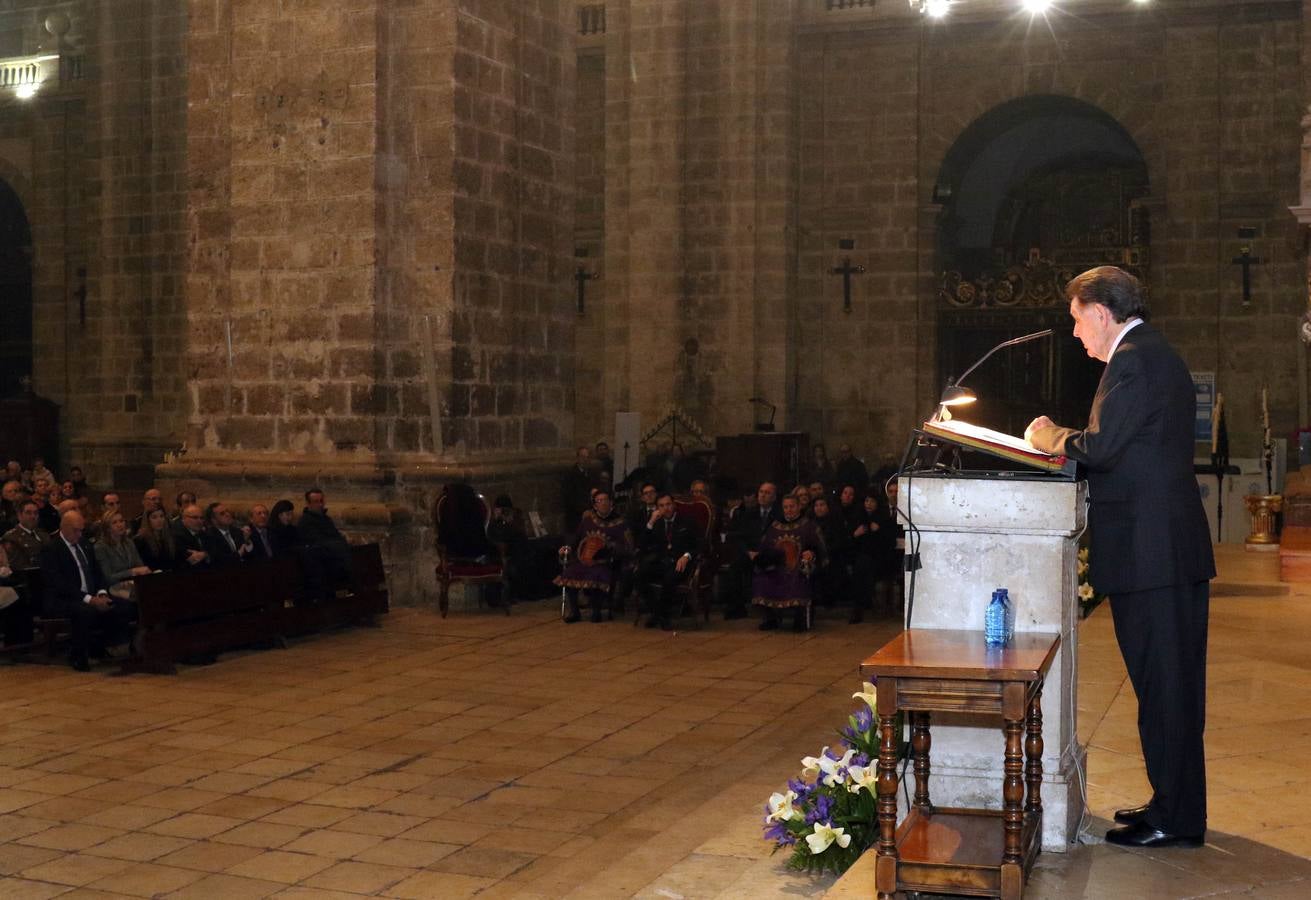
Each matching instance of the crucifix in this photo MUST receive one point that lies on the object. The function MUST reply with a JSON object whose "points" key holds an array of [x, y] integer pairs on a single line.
{"points": [[846, 270], [582, 276], [1246, 260]]}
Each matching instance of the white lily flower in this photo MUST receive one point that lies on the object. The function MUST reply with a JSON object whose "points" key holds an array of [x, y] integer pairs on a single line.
{"points": [[780, 807], [830, 767], [863, 777], [1085, 591], [825, 835], [810, 764], [869, 693]]}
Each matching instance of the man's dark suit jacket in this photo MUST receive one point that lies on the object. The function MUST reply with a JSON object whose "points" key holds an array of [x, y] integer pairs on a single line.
{"points": [[652, 542], [747, 526], [1148, 527], [63, 587], [184, 540], [576, 495], [260, 549], [220, 554]]}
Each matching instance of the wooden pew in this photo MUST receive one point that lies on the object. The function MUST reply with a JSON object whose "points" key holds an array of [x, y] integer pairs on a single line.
{"points": [[196, 613]]}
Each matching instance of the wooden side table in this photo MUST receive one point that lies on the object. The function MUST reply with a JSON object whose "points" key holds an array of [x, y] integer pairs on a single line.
{"points": [[986, 853]]}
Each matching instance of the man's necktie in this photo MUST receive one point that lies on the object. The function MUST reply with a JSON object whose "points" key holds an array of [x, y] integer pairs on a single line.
{"points": [[82, 567]]}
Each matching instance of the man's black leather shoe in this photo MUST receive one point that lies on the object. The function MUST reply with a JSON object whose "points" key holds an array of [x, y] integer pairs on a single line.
{"points": [[1132, 816], [1141, 834]]}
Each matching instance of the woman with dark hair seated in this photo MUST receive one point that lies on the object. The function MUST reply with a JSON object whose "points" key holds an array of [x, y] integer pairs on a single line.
{"points": [[282, 533]]}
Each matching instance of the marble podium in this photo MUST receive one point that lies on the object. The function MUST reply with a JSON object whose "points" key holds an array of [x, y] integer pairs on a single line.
{"points": [[975, 535]]}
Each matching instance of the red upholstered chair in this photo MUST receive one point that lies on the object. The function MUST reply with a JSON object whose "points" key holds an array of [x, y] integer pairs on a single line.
{"points": [[453, 568], [696, 593]]}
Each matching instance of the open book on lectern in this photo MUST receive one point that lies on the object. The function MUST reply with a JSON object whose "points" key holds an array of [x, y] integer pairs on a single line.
{"points": [[998, 444]]}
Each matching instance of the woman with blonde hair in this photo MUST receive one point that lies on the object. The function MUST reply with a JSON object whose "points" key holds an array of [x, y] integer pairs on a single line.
{"points": [[117, 556]]}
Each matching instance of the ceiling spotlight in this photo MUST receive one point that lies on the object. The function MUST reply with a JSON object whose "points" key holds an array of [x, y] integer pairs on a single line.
{"points": [[1036, 7], [936, 9]]}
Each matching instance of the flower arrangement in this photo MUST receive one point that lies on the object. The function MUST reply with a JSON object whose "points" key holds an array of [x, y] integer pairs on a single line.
{"points": [[829, 816], [1088, 595]]}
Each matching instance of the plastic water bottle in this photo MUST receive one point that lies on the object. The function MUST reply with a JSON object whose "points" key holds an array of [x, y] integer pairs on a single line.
{"points": [[995, 619]]}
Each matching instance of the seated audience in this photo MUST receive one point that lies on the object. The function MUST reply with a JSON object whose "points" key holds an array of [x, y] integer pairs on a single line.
{"points": [[156, 543], [189, 540], [11, 495], [507, 533], [24, 541], [67, 490], [48, 508], [150, 500], [117, 556], [226, 544], [15, 610], [788, 549], [108, 504], [850, 470], [747, 524], [183, 500], [600, 545], [78, 480], [261, 541], [668, 547], [75, 589], [282, 532], [820, 468], [576, 488], [326, 552], [40, 471]]}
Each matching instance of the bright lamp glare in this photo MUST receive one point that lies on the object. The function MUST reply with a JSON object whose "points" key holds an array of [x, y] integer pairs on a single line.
{"points": [[1036, 7], [25, 91], [936, 9]]}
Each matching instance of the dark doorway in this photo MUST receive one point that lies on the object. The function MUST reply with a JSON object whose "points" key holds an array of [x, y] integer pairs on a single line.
{"points": [[15, 292], [1033, 192]]}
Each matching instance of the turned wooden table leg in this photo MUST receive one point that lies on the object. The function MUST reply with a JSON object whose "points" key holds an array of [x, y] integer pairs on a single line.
{"points": [[1033, 759], [920, 742], [1013, 811], [886, 865]]}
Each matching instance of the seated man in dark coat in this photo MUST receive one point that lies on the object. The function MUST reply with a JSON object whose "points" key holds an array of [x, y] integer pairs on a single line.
{"points": [[746, 526], [75, 590], [667, 547], [226, 544], [326, 552], [189, 539]]}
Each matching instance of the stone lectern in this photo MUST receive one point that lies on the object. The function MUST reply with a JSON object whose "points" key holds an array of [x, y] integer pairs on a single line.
{"points": [[975, 535]]}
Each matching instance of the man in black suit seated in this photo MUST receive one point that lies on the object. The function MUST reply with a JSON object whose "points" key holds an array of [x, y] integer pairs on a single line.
{"points": [[746, 526], [226, 544], [151, 500], [189, 537], [75, 590], [326, 552], [261, 541], [1151, 547], [667, 548]]}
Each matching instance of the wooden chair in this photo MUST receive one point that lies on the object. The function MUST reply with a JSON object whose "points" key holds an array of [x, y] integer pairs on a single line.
{"points": [[452, 568], [694, 594]]}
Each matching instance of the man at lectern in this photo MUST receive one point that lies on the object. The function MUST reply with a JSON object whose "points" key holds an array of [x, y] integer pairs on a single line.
{"points": [[1150, 546]]}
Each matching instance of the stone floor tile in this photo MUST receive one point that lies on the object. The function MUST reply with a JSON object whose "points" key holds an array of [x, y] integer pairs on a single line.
{"points": [[279, 865], [208, 856], [360, 877], [73, 868], [334, 844], [147, 880], [23, 889], [227, 887], [70, 837], [427, 885], [403, 852], [139, 846]]}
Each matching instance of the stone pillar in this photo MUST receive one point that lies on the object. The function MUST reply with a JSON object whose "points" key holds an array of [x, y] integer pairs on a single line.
{"points": [[700, 208], [977, 535], [380, 214]]}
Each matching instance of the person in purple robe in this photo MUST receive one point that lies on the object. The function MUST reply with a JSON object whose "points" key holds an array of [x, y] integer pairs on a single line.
{"points": [[789, 553], [600, 545]]}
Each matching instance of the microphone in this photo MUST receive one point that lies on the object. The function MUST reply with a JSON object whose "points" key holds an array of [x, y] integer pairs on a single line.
{"points": [[1022, 339]]}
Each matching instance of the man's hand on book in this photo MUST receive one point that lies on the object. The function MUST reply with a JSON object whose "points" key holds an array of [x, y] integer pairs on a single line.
{"points": [[1040, 422]]}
